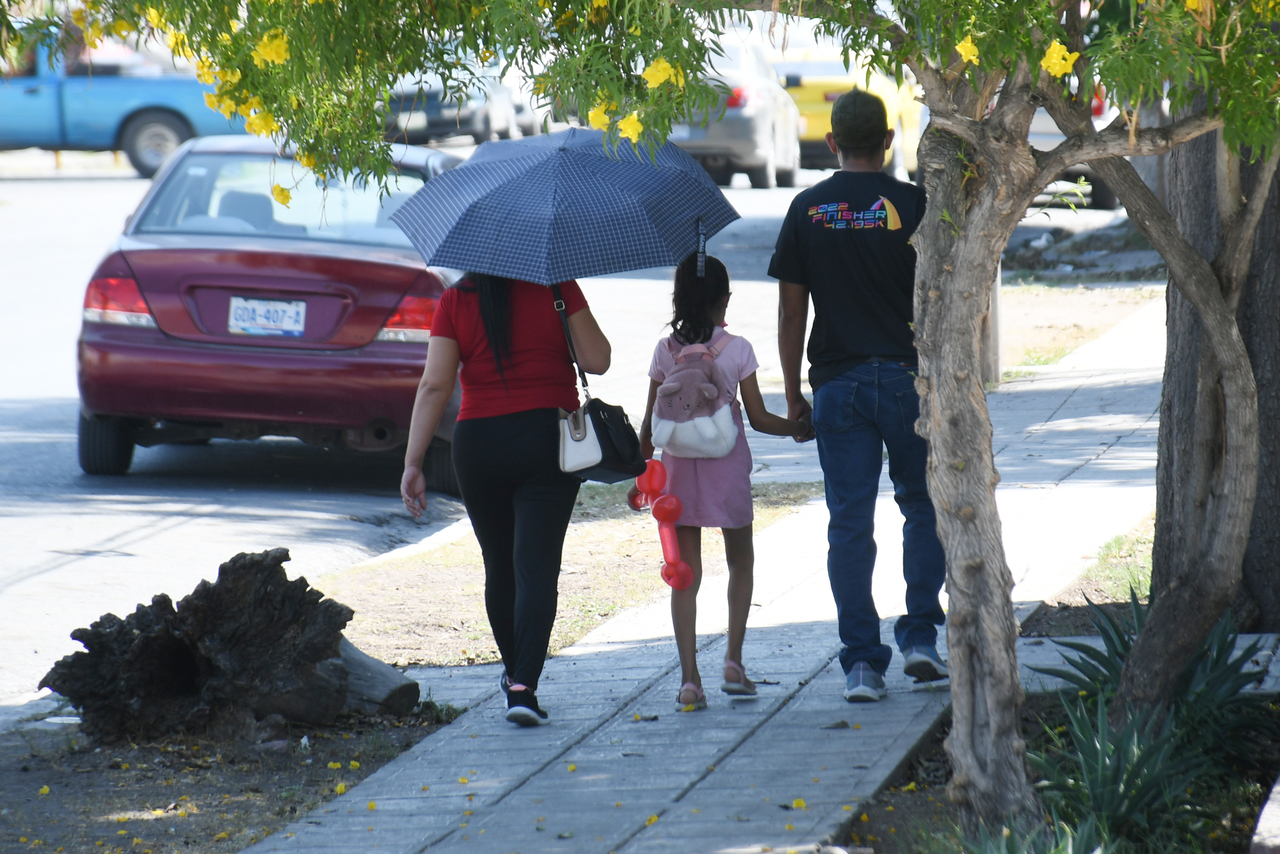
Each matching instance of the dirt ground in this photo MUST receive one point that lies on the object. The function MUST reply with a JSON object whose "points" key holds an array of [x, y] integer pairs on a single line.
{"points": [[59, 792], [1039, 324]]}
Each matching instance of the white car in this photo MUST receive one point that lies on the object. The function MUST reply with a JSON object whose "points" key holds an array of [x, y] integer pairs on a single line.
{"points": [[758, 132]]}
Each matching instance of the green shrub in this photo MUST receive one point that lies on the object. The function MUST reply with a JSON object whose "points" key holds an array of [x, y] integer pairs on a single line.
{"points": [[1134, 782]]}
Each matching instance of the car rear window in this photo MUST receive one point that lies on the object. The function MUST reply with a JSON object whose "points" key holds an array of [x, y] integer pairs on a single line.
{"points": [[231, 194]]}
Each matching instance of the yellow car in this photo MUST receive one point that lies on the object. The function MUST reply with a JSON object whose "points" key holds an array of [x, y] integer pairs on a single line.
{"points": [[815, 79]]}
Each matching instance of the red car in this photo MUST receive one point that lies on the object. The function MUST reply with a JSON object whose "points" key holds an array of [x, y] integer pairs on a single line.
{"points": [[222, 313]]}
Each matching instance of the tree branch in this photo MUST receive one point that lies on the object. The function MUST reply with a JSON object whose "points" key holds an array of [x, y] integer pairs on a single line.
{"points": [[1114, 141], [1240, 232]]}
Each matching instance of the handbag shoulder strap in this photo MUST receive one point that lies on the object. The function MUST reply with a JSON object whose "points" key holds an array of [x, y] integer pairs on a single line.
{"points": [[568, 336]]}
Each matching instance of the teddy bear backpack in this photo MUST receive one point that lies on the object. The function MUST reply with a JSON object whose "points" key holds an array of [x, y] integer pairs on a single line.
{"points": [[692, 414]]}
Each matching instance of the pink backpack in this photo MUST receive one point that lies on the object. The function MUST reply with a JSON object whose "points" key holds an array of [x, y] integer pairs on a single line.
{"points": [[692, 415]]}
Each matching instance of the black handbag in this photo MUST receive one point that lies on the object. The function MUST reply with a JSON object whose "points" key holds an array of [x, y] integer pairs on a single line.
{"points": [[597, 442]]}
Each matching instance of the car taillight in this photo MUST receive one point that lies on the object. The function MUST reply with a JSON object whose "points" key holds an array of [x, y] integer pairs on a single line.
{"points": [[410, 322], [741, 96], [116, 301]]}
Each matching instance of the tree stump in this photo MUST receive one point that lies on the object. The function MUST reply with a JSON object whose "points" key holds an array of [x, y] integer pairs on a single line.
{"points": [[250, 645]]}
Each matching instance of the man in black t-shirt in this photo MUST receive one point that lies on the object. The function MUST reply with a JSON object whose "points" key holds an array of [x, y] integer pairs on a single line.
{"points": [[845, 243]]}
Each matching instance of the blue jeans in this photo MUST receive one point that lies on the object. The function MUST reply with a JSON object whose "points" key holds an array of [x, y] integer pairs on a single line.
{"points": [[875, 405]]}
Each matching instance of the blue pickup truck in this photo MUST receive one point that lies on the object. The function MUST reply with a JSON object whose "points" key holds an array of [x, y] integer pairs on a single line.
{"points": [[109, 98]]}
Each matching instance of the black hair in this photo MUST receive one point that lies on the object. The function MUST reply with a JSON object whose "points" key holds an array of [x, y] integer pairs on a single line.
{"points": [[859, 124], [495, 312], [696, 297]]}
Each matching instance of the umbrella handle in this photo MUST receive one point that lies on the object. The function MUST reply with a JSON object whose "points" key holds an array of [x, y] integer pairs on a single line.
{"points": [[702, 249]]}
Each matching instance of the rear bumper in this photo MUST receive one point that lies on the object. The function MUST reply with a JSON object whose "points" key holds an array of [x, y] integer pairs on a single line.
{"points": [[743, 140], [247, 391]]}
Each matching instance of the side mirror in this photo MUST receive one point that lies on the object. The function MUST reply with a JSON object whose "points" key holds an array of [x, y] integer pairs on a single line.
{"points": [[793, 81]]}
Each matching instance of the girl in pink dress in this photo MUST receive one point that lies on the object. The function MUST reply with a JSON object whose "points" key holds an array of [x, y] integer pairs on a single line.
{"points": [[715, 493]]}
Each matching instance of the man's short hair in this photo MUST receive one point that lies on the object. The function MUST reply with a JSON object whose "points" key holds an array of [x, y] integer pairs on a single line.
{"points": [[859, 124]]}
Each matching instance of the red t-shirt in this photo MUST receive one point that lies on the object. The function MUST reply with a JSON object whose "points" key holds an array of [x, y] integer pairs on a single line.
{"points": [[540, 373]]}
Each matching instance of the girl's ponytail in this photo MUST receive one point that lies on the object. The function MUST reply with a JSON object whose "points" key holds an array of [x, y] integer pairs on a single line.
{"points": [[695, 299]]}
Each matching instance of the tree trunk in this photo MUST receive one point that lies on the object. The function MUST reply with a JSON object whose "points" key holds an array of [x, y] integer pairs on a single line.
{"points": [[1259, 309], [957, 264], [1256, 605], [248, 646]]}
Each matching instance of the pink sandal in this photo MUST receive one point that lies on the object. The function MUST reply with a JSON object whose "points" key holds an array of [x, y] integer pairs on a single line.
{"points": [[740, 686], [699, 700]]}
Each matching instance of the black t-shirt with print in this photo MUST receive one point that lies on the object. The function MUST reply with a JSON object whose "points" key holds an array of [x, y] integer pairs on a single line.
{"points": [[845, 239]]}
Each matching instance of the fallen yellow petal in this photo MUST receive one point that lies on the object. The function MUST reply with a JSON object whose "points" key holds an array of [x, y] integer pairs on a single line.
{"points": [[373, 805], [334, 766], [340, 789], [650, 820], [799, 804], [462, 780], [353, 765], [573, 768], [222, 835], [44, 790]]}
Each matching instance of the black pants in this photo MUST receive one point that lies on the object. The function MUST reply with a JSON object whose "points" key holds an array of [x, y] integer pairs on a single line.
{"points": [[519, 503]]}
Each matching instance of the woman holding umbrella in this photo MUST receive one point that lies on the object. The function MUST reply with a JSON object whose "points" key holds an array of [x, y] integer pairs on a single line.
{"points": [[527, 214], [515, 377]]}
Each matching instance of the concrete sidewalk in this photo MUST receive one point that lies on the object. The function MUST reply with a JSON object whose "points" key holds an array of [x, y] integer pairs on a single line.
{"points": [[619, 769]]}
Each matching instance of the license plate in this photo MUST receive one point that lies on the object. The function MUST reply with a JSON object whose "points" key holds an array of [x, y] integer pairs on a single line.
{"points": [[681, 133], [267, 317]]}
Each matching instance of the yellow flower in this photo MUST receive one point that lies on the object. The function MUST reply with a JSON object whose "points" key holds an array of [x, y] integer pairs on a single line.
{"points": [[341, 788], [121, 28], [204, 71], [274, 48], [486, 55], [154, 18], [1193, 5], [968, 50], [600, 4], [178, 44], [262, 123], [353, 765], [79, 17], [598, 118], [658, 72], [246, 109], [566, 19], [1057, 61], [634, 29], [630, 127]]}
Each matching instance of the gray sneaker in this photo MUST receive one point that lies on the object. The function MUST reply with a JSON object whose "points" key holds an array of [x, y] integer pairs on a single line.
{"points": [[863, 684], [924, 665]]}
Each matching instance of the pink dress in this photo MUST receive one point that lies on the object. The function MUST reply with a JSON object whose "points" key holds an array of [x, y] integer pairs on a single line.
{"points": [[715, 493]]}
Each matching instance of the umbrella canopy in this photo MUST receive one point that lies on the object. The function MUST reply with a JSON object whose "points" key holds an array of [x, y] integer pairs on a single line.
{"points": [[550, 208]]}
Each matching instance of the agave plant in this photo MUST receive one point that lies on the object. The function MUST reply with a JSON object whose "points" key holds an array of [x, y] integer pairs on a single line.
{"points": [[1057, 838], [1096, 672], [1134, 781]]}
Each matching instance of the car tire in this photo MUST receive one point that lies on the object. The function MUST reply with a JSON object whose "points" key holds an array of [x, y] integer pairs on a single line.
{"points": [[763, 177], [722, 175], [1101, 196], [437, 468], [150, 137], [105, 444], [785, 177]]}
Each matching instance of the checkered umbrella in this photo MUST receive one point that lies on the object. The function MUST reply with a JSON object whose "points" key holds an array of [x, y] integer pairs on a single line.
{"points": [[551, 208]]}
